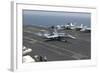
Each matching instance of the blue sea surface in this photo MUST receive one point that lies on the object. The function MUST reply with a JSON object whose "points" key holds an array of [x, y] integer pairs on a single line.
{"points": [[49, 18]]}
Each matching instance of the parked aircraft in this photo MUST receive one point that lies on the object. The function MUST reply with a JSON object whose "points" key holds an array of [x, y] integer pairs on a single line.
{"points": [[85, 29]]}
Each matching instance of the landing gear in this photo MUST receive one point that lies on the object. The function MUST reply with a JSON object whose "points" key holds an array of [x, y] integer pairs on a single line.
{"points": [[64, 40]]}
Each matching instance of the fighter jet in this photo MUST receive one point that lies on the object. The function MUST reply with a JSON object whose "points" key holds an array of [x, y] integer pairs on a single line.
{"points": [[85, 29], [78, 28], [70, 26], [55, 35]]}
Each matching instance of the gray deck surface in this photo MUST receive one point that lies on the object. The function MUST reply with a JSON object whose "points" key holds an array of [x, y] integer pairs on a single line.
{"points": [[73, 49]]}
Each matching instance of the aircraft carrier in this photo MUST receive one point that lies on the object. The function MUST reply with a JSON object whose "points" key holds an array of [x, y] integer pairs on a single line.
{"points": [[73, 49]]}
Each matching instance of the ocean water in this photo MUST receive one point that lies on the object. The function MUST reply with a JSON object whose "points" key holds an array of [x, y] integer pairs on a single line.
{"points": [[49, 18]]}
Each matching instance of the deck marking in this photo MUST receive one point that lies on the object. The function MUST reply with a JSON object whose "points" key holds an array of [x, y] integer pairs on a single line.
{"points": [[74, 54]]}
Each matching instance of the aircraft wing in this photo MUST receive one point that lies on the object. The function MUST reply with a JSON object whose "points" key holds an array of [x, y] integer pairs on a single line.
{"points": [[50, 36], [70, 36]]}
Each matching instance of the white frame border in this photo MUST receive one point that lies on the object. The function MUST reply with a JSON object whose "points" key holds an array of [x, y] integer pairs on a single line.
{"points": [[16, 59]]}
